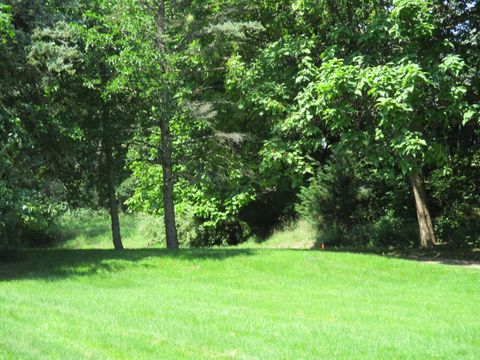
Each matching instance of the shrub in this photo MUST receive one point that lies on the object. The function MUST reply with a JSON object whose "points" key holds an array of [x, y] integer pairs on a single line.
{"points": [[460, 227], [26, 219], [350, 205], [457, 198], [330, 200], [227, 232]]}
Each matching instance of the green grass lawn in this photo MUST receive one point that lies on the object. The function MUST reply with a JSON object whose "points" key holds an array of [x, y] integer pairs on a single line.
{"points": [[244, 303]]}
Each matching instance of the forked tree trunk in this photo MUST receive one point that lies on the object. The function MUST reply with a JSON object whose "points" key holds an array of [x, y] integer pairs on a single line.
{"points": [[168, 179], [425, 225], [168, 182], [112, 198]]}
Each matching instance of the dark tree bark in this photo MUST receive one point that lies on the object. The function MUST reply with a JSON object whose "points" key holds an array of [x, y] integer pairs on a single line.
{"points": [[168, 183], [425, 225], [112, 198], [168, 178]]}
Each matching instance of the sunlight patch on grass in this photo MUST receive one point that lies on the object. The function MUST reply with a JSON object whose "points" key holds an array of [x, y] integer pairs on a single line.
{"points": [[292, 235], [87, 229]]}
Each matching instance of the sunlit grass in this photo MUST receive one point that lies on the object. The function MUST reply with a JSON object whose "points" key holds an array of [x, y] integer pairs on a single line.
{"points": [[246, 304], [240, 303], [87, 229], [292, 235]]}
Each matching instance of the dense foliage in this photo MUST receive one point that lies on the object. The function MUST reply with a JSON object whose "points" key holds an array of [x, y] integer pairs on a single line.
{"points": [[229, 116]]}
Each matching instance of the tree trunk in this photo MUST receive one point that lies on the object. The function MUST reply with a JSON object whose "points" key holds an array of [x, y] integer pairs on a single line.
{"points": [[168, 182], [425, 225], [112, 198]]}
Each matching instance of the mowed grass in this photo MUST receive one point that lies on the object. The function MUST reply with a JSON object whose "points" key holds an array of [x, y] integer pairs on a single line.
{"points": [[245, 304], [235, 304]]}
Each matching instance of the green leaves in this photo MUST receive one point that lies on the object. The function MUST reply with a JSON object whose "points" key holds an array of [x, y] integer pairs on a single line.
{"points": [[257, 94], [452, 64], [6, 27], [412, 21], [56, 49], [388, 100]]}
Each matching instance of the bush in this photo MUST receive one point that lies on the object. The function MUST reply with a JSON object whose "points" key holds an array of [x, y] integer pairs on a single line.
{"points": [[125, 191], [387, 231], [330, 202], [350, 205], [457, 199], [228, 232], [460, 227], [331, 199], [26, 219]]}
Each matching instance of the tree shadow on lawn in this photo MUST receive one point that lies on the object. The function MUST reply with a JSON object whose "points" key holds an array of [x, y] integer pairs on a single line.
{"points": [[54, 264], [458, 257]]}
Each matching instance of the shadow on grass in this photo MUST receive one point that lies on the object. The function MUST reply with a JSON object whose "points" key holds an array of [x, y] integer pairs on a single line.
{"points": [[54, 264], [438, 255]]}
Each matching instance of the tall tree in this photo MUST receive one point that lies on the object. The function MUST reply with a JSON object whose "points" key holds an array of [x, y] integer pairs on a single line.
{"points": [[408, 95], [164, 122], [381, 77], [76, 58], [177, 48]]}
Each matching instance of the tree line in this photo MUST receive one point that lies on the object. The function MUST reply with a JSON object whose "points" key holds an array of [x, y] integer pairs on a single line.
{"points": [[360, 116]]}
